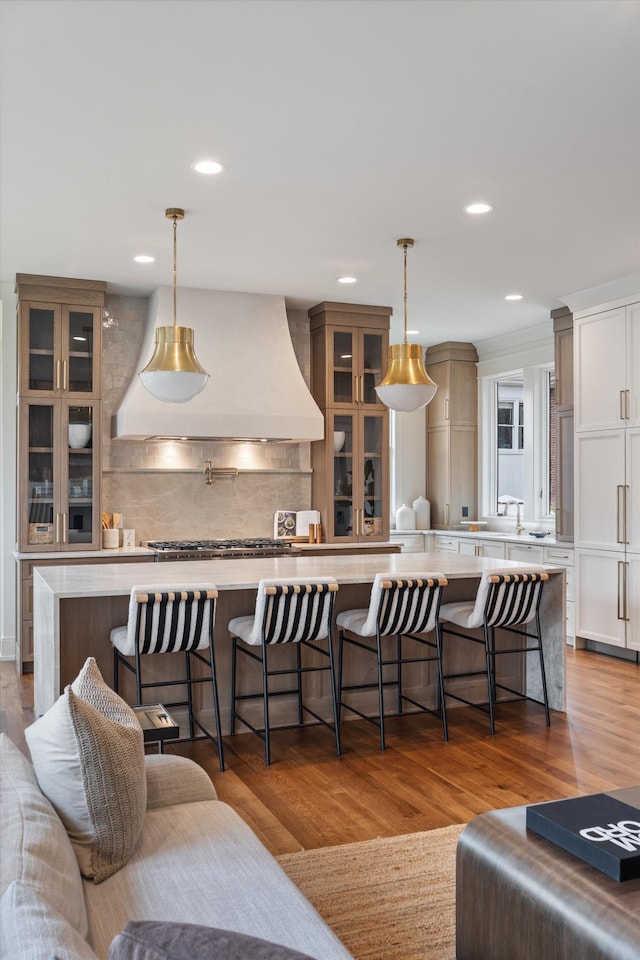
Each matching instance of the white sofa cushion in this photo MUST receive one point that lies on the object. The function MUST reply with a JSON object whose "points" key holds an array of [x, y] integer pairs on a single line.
{"points": [[88, 755], [33, 930], [200, 862], [34, 844]]}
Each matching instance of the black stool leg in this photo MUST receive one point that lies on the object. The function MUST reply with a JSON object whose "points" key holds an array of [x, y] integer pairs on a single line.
{"points": [[116, 670], [380, 688], [234, 653], [490, 685], [299, 671], [334, 696], [265, 705], [542, 672], [216, 704]]}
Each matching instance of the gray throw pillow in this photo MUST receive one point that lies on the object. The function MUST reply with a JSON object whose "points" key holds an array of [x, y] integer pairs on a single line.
{"points": [[154, 940]]}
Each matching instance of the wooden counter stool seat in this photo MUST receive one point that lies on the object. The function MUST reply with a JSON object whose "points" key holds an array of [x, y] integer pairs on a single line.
{"points": [[171, 620], [510, 601], [404, 607], [290, 611]]}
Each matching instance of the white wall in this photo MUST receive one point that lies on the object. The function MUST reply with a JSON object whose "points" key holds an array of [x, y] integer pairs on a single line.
{"points": [[410, 463]]}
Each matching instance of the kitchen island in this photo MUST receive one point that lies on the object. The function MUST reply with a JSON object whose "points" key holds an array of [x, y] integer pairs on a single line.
{"points": [[75, 608]]}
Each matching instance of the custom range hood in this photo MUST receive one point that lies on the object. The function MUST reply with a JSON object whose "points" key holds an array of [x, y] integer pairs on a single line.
{"points": [[256, 390]]}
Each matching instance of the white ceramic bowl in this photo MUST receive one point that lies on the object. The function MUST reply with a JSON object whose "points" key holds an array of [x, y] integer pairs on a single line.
{"points": [[338, 440], [79, 434]]}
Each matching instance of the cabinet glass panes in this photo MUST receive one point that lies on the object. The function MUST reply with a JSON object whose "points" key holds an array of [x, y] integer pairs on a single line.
{"points": [[80, 474], [372, 476], [41, 348], [372, 367], [342, 367], [343, 476], [80, 350], [41, 471]]}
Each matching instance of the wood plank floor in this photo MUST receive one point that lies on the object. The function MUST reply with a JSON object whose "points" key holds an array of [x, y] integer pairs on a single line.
{"points": [[310, 798]]}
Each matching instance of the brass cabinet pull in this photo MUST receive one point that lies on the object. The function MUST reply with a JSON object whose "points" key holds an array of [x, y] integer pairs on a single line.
{"points": [[446, 514], [621, 514], [64, 527], [446, 408], [57, 387], [64, 375], [622, 590], [627, 404]]}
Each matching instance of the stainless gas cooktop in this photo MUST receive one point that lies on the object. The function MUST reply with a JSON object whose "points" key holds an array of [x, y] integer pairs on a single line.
{"points": [[212, 549]]}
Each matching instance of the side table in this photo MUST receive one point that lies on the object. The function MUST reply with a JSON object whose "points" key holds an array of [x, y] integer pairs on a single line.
{"points": [[157, 724], [521, 897]]}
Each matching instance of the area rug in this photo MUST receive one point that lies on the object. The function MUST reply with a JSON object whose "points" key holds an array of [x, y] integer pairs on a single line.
{"points": [[387, 899]]}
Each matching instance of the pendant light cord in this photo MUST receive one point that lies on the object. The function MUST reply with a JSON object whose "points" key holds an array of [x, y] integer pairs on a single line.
{"points": [[404, 279], [175, 273]]}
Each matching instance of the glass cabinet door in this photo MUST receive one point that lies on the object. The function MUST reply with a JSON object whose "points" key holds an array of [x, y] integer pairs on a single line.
{"points": [[41, 467], [343, 445], [78, 474], [373, 363], [373, 481], [79, 326], [343, 366], [40, 328]]}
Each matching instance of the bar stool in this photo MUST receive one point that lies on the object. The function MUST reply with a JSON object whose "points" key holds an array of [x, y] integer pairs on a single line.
{"points": [[505, 600], [163, 620], [287, 611], [405, 607]]}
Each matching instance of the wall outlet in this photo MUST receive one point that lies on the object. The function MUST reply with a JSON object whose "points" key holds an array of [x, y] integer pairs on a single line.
{"points": [[465, 512]]}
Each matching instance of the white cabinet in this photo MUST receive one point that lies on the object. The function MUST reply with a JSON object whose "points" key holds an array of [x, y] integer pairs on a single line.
{"points": [[562, 556], [446, 544], [525, 552], [410, 541], [607, 476], [472, 547], [607, 369]]}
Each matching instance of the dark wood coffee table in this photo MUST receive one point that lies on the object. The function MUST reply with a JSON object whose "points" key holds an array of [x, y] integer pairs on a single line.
{"points": [[521, 897], [157, 724]]}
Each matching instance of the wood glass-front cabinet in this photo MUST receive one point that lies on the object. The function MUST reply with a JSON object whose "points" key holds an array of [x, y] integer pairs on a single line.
{"points": [[350, 485], [59, 362]]}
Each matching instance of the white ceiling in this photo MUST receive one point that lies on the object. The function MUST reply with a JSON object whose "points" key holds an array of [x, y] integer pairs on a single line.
{"points": [[343, 124]]}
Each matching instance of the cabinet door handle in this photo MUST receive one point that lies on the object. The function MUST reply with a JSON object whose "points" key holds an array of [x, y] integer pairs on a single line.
{"points": [[627, 404], [64, 374], [361, 388], [57, 375], [446, 408], [622, 590], [64, 527], [622, 404], [477, 550], [446, 514], [621, 514]]}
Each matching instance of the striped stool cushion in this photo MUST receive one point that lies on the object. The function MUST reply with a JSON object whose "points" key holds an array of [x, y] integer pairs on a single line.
{"points": [[167, 619], [288, 611], [407, 604], [504, 597]]}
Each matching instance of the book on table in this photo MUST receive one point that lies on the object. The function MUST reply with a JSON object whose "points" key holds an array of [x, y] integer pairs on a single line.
{"points": [[599, 829]]}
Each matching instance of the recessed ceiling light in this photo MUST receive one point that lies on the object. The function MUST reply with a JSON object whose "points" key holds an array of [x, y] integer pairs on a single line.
{"points": [[513, 296], [347, 279], [479, 208], [207, 166], [144, 258]]}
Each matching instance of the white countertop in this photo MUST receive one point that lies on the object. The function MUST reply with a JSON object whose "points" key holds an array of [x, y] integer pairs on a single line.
{"points": [[114, 579], [481, 534]]}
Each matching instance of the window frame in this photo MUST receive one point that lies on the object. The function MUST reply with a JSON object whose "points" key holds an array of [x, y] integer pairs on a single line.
{"points": [[536, 383]]}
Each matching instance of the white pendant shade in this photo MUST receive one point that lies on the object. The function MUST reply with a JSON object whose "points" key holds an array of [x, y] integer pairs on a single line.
{"points": [[173, 386], [405, 397]]}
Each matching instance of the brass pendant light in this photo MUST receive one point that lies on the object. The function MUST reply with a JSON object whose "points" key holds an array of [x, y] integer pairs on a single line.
{"points": [[173, 374], [406, 385]]}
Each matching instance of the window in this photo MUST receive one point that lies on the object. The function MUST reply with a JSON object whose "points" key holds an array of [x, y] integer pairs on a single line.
{"points": [[517, 440]]}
